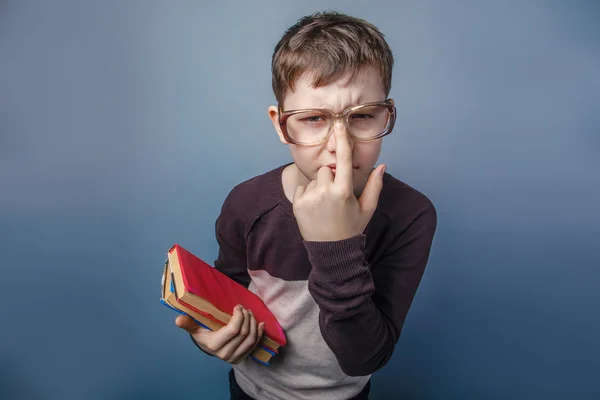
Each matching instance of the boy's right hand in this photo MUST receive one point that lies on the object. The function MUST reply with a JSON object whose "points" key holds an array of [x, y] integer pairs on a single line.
{"points": [[231, 343]]}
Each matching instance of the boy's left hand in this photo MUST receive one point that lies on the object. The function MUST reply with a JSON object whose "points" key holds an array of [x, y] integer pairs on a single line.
{"points": [[327, 209]]}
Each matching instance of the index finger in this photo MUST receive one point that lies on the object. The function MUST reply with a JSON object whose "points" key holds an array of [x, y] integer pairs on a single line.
{"points": [[229, 331], [343, 153]]}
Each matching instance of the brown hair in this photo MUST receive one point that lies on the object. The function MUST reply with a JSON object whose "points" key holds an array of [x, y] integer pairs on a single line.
{"points": [[329, 45]]}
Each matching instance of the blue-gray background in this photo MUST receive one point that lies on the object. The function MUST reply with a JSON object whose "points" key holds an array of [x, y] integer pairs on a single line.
{"points": [[123, 125]]}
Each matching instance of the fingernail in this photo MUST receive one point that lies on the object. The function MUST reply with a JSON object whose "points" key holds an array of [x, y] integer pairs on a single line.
{"points": [[239, 307], [262, 325], [382, 171]]}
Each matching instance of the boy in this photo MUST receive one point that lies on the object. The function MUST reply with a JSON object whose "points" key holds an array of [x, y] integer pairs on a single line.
{"points": [[334, 248]]}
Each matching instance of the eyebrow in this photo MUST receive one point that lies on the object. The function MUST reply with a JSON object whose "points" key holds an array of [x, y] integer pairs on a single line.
{"points": [[359, 101], [323, 108]]}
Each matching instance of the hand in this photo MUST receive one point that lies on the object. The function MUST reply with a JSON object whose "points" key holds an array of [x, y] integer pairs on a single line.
{"points": [[327, 209], [231, 343]]}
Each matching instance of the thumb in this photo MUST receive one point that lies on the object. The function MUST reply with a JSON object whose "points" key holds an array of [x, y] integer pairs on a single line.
{"points": [[370, 195], [298, 193], [186, 323]]}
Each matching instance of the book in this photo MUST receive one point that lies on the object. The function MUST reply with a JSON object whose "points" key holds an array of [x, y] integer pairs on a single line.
{"points": [[194, 288], [213, 294], [169, 299]]}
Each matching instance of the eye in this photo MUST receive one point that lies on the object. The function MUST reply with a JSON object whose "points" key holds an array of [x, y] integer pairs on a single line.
{"points": [[313, 118], [362, 116]]}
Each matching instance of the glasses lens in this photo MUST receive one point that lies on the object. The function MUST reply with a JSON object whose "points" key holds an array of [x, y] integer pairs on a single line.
{"points": [[308, 127], [312, 126], [368, 122]]}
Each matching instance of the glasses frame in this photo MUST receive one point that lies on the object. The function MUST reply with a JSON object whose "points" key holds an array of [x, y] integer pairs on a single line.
{"points": [[343, 116]]}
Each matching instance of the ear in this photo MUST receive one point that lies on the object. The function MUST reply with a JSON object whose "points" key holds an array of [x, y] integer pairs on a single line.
{"points": [[274, 115]]}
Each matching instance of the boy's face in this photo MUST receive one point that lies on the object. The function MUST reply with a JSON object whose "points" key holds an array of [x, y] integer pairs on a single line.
{"points": [[335, 97]]}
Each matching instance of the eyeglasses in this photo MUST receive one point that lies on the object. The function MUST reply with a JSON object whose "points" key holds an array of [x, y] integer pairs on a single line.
{"points": [[310, 127]]}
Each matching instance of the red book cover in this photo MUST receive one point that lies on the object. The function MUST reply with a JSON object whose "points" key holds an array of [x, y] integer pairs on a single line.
{"points": [[223, 292]]}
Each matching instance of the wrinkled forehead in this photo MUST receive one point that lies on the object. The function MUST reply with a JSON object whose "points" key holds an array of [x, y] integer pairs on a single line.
{"points": [[347, 90]]}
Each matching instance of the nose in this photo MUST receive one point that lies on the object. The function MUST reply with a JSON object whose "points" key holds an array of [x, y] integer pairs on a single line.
{"points": [[338, 125]]}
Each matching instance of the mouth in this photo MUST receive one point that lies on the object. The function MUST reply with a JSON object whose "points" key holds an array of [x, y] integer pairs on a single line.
{"points": [[332, 167]]}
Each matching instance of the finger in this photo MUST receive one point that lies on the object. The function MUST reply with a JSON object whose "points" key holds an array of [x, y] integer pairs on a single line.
{"points": [[229, 331], [186, 323], [227, 351], [324, 176], [298, 193], [343, 153], [230, 348], [248, 343], [245, 328], [370, 195], [200, 335], [260, 330], [311, 186]]}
